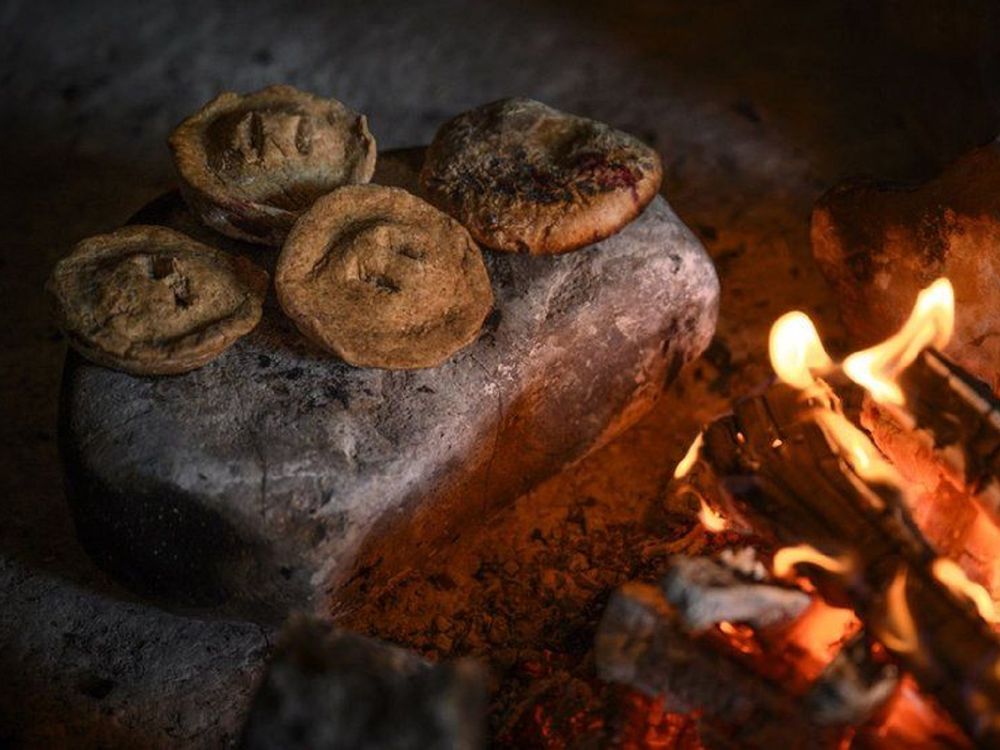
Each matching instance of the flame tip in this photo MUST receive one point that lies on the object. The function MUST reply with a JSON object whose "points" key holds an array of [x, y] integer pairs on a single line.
{"points": [[687, 463], [796, 349], [710, 518]]}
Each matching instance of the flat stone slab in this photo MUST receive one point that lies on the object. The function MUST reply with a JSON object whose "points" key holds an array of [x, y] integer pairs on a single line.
{"points": [[277, 474], [880, 243], [327, 689]]}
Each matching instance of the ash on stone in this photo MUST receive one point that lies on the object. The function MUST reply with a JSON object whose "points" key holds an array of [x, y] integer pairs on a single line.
{"points": [[328, 689], [706, 591]]}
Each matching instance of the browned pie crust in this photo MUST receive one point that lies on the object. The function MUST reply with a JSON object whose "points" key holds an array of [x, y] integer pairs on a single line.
{"points": [[250, 164], [152, 301], [383, 279], [524, 177]]}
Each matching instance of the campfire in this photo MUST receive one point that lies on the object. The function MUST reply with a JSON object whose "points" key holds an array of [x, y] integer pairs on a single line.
{"points": [[854, 603]]}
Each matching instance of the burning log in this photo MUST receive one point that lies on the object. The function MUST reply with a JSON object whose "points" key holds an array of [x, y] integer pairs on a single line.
{"points": [[789, 468], [795, 469], [933, 399], [643, 641], [941, 428], [661, 640], [957, 416]]}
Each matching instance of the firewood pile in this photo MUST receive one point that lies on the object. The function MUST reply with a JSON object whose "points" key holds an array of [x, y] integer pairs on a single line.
{"points": [[856, 605]]}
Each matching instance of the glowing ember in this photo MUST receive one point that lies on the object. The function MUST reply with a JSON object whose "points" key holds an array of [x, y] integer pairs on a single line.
{"points": [[796, 350], [688, 462], [786, 558], [930, 324], [820, 632], [901, 631], [710, 518], [912, 720], [951, 575]]}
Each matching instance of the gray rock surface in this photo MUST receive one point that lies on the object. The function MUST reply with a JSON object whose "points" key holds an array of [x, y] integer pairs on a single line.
{"points": [[88, 670], [267, 479], [327, 689]]}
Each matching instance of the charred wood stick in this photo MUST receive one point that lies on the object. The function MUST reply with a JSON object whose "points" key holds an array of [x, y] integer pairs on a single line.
{"points": [[644, 642], [783, 473], [960, 417], [661, 641], [853, 686]]}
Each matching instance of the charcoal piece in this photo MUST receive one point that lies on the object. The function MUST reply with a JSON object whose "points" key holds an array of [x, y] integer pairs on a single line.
{"points": [[853, 686], [706, 592], [327, 689], [270, 478]]}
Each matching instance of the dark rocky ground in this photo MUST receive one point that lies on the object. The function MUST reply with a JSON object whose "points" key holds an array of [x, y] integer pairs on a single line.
{"points": [[756, 108]]}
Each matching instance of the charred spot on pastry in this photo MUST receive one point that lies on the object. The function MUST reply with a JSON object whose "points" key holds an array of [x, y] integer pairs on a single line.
{"points": [[524, 177]]}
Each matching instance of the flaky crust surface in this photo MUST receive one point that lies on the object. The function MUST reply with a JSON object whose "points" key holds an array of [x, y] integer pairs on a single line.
{"points": [[524, 177], [249, 165], [152, 301], [383, 279]]}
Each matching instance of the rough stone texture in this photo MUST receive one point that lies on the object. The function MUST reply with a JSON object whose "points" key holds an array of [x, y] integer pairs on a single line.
{"points": [[85, 669], [332, 690], [258, 480], [756, 110], [879, 244]]}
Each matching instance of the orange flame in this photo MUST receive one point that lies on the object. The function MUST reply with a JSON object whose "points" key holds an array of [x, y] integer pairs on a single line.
{"points": [[796, 350], [711, 519], [900, 634], [930, 324], [857, 449], [951, 575], [786, 558], [820, 631], [688, 462]]}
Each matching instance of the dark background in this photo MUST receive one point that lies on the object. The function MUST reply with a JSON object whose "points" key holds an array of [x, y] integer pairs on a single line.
{"points": [[756, 108]]}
